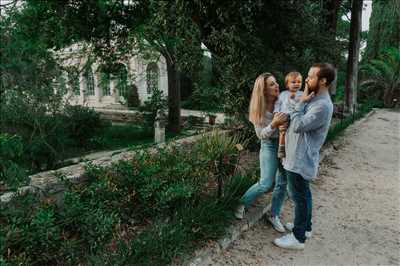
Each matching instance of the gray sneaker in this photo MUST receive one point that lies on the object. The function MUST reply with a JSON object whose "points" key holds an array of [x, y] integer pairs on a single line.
{"points": [[276, 224], [239, 213], [289, 227]]}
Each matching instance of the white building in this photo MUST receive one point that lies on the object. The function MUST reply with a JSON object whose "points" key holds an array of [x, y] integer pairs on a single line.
{"points": [[88, 85]]}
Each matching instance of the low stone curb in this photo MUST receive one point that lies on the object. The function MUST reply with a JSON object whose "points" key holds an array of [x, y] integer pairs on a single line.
{"points": [[202, 256]]}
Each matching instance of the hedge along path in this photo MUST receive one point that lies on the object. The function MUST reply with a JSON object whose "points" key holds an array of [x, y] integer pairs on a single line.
{"points": [[50, 183], [356, 205]]}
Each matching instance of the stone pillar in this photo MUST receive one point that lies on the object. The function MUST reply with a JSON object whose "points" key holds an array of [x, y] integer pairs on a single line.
{"points": [[159, 127]]}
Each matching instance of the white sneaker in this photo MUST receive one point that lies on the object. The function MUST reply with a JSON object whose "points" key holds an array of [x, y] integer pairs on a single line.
{"points": [[289, 227], [276, 224], [239, 213], [288, 241]]}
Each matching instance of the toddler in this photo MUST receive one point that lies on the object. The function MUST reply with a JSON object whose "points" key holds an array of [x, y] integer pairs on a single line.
{"points": [[286, 102]]}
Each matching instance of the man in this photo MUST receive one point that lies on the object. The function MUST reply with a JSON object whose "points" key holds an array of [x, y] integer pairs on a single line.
{"points": [[309, 124]]}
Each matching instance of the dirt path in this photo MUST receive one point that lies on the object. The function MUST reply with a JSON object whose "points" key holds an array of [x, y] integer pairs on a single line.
{"points": [[356, 205]]}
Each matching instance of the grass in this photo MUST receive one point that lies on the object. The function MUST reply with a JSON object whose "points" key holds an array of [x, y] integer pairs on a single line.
{"points": [[121, 136], [337, 129]]}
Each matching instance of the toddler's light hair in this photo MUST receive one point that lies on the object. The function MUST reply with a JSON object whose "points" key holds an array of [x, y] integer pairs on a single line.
{"points": [[290, 75]]}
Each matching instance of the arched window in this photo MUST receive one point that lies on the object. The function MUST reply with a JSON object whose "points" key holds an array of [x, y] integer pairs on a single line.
{"points": [[152, 77], [61, 84], [122, 80], [89, 81], [73, 82], [105, 83]]}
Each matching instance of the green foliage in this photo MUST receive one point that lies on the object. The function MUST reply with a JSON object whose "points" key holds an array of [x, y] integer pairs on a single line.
{"points": [[116, 136], [251, 37], [338, 128], [157, 101], [148, 210], [132, 97], [208, 98], [220, 153], [30, 105], [81, 123], [382, 77], [11, 173], [384, 30]]}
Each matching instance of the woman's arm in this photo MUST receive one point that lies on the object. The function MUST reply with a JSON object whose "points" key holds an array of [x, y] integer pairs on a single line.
{"points": [[264, 132]]}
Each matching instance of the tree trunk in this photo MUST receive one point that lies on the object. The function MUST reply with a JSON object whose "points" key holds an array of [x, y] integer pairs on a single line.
{"points": [[215, 79], [332, 9], [174, 97], [352, 60], [388, 98]]}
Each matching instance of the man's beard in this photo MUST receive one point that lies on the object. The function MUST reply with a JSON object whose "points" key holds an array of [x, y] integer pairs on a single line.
{"points": [[314, 89]]}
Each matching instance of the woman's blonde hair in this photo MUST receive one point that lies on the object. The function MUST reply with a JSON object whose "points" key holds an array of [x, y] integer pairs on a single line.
{"points": [[258, 105]]}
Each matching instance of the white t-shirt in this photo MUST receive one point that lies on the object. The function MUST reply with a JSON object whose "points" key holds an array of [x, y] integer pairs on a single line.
{"points": [[284, 104]]}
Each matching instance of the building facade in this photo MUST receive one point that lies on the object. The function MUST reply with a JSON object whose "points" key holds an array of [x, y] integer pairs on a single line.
{"points": [[89, 85]]}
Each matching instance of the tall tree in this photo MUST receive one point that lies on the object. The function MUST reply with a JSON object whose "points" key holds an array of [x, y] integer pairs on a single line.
{"points": [[353, 57], [384, 29], [250, 37], [331, 8], [118, 29], [170, 32]]}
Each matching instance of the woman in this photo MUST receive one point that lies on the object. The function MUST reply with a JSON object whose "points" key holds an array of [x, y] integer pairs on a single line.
{"points": [[264, 95]]}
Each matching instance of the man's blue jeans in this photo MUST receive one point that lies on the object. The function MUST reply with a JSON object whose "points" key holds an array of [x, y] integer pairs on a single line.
{"points": [[301, 195], [268, 169]]}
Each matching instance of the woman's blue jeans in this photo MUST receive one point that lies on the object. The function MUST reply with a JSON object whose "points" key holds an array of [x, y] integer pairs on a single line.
{"points": [[269, 164]]}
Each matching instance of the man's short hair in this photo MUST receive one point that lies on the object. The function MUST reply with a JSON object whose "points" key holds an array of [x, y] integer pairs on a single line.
{"points": [[327, 71]]}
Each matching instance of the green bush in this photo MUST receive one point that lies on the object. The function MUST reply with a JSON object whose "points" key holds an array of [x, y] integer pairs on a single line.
{"points": [[220, 152], [132, 97], [145, 211], [157, 101], [338, 128], [47, 137], [205, 98], [381, 77], [82, 123], [11, 173]]}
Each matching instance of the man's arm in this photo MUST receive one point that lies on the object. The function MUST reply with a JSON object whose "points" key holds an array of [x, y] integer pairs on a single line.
{"points": [[315, 117]]}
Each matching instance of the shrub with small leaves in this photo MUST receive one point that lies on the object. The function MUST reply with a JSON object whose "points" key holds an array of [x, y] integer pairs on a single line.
{"points": [[11, 150]]}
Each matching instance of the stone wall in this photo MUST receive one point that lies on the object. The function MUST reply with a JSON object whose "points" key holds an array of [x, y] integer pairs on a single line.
{"points": [[50, 183], [122, 116]]}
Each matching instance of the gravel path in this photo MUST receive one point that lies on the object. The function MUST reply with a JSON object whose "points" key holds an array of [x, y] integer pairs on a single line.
{"points": [[356, 200]]}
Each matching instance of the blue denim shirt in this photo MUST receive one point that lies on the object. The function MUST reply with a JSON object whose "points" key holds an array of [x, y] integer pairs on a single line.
{"points": [[309, 125]]}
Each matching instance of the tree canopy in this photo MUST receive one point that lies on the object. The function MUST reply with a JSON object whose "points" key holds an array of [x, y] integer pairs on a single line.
{"points": [[384, 28]]}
